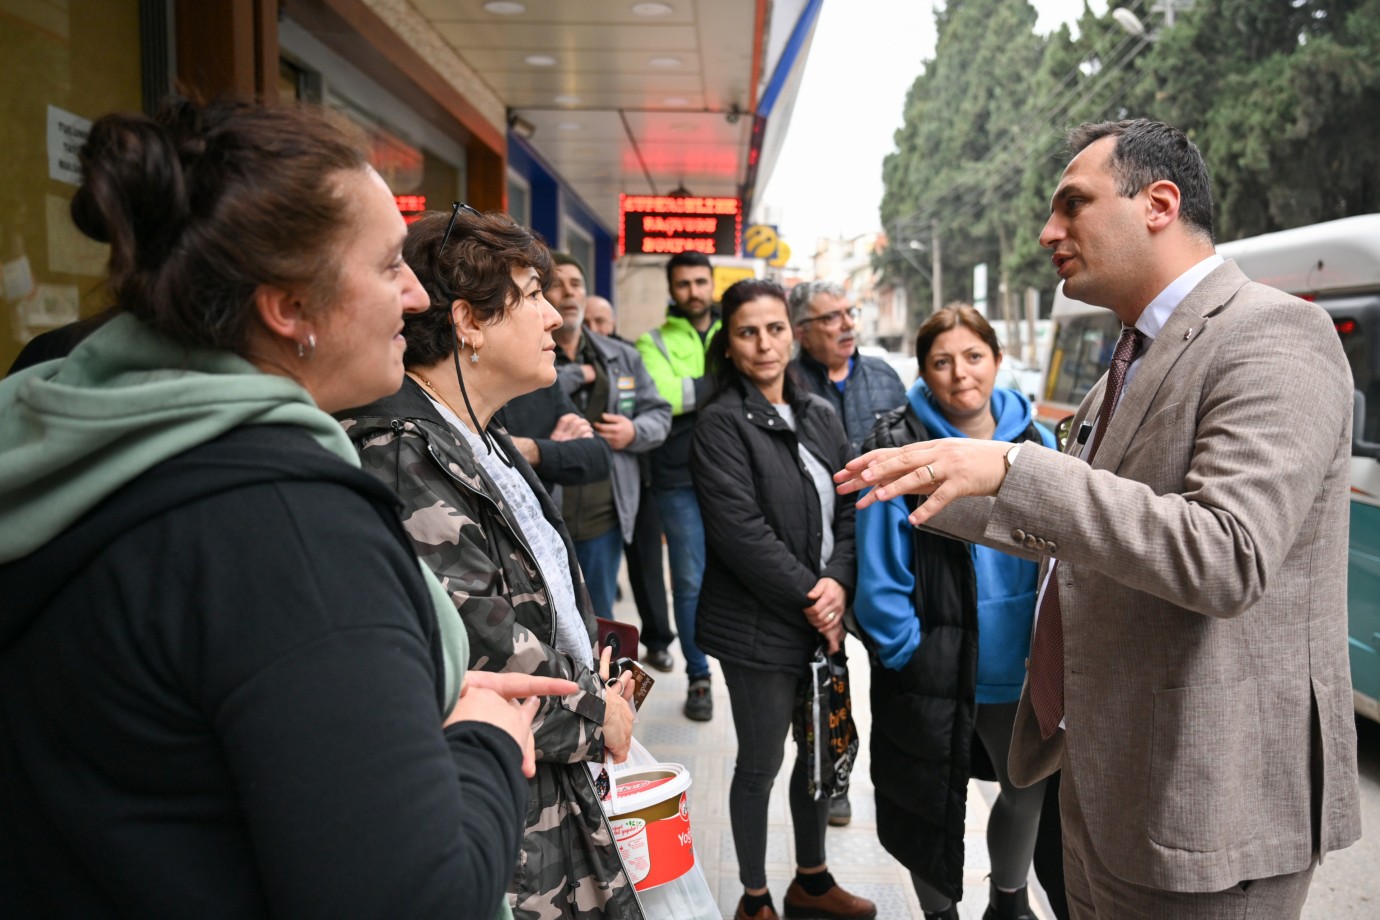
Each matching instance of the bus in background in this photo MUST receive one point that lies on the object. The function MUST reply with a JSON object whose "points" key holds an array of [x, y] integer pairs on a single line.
{"points": [[1337, 265]]}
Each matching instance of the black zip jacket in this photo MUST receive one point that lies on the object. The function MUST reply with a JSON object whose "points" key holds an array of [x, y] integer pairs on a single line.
{"points": [[762, 525]]}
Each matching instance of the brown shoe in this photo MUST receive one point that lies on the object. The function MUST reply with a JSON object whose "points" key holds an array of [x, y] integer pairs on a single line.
{"points": [[834, 904], [766, 913]]}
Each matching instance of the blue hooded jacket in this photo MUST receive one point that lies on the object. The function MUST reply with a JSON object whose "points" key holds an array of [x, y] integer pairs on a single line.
{"points": [[1006, 585]]}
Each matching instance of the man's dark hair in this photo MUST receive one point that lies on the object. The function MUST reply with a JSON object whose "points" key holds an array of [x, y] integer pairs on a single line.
{"points": [[1148, 151], [565, 258], [687, 260]]}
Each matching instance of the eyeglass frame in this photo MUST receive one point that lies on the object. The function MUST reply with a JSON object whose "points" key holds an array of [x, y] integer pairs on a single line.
{"points": [[832, 318], [455, 208]]}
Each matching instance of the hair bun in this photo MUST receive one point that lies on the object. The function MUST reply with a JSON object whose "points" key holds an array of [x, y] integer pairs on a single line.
{"points": [[133, 193]]}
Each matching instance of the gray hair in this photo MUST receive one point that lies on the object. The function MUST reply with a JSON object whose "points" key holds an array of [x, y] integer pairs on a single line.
{"points": [[805, 292]]}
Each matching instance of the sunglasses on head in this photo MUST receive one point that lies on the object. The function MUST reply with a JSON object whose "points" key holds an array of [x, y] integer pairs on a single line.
{"points": [[455, 208]]}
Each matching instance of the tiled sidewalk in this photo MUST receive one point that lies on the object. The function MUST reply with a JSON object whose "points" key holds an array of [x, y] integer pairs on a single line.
{"points": [[856, 859]]}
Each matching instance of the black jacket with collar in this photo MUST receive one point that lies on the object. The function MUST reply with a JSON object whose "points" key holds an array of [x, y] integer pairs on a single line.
{"points": [[762, 525]]}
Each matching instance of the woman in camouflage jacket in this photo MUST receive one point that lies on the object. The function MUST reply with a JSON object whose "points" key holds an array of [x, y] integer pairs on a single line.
{"points": [[479, 518]]}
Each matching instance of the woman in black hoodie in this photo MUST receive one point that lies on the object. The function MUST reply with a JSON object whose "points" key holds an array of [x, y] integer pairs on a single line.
{"points": [[779, 567]]}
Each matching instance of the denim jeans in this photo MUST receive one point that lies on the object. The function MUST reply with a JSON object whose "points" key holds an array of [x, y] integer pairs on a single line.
{"points": [[599, 560], [680, 519]]}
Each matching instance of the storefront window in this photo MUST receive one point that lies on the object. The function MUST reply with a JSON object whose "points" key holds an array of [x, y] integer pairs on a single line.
{"points": [[519, 199], [580, 245], [424, 167], [66, 63]]}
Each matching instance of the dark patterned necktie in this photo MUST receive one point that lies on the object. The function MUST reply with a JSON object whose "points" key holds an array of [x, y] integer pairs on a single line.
{"points": [[1047, 648]]}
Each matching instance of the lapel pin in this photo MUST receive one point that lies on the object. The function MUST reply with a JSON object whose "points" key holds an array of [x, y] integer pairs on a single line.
{"points": [[1187, 333]]}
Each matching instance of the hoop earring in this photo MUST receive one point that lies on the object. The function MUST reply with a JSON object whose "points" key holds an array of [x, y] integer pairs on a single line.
{"points": [[307, 351]]}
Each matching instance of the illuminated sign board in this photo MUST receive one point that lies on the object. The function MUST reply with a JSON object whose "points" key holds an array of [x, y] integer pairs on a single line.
{"points": [[411, 206], [662, 224]]}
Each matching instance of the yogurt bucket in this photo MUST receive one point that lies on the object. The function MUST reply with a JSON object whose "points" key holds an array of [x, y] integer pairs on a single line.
{"points": [[650, 818]]}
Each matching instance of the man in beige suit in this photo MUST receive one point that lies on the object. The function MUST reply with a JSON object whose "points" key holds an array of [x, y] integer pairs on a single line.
{"points": [[1189, 665]]}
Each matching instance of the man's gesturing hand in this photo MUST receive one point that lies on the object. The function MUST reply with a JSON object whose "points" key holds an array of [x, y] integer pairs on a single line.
{"points": [[943, 470]]}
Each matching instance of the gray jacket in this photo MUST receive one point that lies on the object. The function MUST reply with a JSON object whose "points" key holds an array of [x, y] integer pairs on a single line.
{"points": [[651, 417]]}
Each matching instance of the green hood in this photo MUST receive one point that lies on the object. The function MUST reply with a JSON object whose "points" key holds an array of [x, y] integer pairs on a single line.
{"points": [[127, 398], [74, 431]]}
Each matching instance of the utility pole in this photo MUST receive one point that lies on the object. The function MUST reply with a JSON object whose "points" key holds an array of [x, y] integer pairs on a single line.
{"points": [[936, 273]]}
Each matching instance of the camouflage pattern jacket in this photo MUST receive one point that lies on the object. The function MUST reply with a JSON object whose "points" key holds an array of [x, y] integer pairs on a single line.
{"points": [[464, 530]]}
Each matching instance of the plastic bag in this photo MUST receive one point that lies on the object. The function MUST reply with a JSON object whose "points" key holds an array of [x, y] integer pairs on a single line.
{"points": [[825, 736], [686, 897]]}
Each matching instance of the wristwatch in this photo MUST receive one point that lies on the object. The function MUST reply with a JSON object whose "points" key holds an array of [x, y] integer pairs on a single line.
{"points": [[1010, 457]]}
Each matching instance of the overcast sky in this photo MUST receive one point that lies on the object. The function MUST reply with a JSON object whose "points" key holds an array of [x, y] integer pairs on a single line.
{"points": [[864, 56]]}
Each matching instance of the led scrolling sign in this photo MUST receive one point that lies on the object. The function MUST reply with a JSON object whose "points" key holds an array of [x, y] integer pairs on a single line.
{"points": [[663, 225]]}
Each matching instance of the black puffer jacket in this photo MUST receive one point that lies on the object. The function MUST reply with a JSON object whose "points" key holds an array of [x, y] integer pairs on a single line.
{"points": [[922, 741], [762, 525]]}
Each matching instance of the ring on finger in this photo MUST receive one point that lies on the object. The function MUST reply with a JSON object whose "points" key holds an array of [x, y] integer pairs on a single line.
{"points": [[933, 478]]}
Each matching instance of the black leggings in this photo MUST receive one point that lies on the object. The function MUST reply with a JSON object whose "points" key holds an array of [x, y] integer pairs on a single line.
{"points": [[763, 702], [1015, 817]]}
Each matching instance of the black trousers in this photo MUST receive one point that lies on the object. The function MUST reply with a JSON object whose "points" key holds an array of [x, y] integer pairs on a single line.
{"points": [[763, 703]]}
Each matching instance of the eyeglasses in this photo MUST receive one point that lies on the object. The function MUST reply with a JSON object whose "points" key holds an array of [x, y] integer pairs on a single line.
{"points": [[832, 318], [455, 208]]}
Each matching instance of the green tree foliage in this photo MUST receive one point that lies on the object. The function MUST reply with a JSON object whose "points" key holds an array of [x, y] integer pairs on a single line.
{"points": [[1282, 97], [1284, 101], [966, 103]]}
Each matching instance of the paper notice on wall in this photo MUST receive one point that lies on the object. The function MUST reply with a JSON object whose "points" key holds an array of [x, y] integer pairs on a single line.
{"points": [[52, 305], [19, 279], [66, 134]]}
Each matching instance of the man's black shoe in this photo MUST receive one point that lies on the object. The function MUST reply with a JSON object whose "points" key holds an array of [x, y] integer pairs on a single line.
{"points": [[660, 659], [699, 704]]}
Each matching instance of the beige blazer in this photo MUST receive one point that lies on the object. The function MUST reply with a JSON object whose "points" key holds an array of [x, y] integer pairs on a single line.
{"points": [[1202, 580]]}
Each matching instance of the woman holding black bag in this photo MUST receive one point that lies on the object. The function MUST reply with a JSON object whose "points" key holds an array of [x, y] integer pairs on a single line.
{"points": [[779, 569]]}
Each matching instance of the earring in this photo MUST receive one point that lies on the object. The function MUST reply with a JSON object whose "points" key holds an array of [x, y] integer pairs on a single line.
{"points": [[462, 341], [474, 357], [307, 351]]}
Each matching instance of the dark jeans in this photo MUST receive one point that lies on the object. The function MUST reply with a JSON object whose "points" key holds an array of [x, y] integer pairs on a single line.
{"points": [[599, 558], [763, 702], [645, 575], [680, 519]]}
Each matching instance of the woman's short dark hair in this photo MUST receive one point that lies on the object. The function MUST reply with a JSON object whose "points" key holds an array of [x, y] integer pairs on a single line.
{"points": [[203, 204], [950, 317], [719, 365], [477, 267]]}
